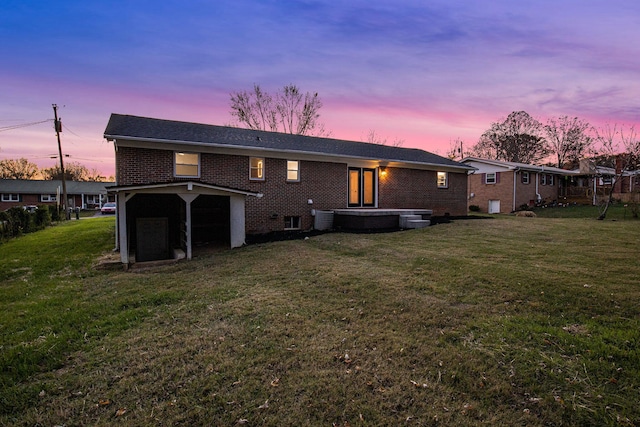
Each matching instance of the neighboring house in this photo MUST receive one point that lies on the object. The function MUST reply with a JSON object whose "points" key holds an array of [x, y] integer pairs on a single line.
{"points": [[592, 183], [503, 187], [23, 192], [180, 184]]}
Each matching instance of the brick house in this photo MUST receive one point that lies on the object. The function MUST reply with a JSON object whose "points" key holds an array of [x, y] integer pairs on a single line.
{"points": [[503, 187], [592, 184], [179, 184], [23, 192]]}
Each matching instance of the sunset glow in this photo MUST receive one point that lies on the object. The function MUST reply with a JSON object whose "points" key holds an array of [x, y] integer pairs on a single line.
{"points": [[427, 73]]}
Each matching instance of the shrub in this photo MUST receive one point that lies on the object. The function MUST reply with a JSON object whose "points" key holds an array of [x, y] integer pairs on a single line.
{"points": [[43, 217], [474, 208], [54, 212]]}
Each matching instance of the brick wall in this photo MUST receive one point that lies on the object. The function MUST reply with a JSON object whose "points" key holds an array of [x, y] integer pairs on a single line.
{"points": [[324, 183], [143, 166], [503, 191], [418, 189]]}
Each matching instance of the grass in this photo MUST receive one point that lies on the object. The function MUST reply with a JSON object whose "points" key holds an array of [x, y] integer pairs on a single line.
{"points": [[505, 321], [616, 212]]}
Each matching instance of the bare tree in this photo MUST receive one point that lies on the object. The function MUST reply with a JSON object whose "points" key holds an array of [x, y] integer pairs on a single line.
{"points": [[622, 145], [18, 169], [73, 171], [456, 150], [568, 138], [289, 111], [374, 138], [517, 139]]}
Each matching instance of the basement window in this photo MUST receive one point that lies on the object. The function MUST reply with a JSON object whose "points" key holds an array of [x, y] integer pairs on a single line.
{"points": [[187, 164], [292, 223]]}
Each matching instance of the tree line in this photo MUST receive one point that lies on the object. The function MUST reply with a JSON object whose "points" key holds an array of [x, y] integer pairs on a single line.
{"points": [[518, 138], [24, 169]]}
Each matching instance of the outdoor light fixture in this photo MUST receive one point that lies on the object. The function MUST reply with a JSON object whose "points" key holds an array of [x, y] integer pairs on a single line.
{"points": [[383, 171]]}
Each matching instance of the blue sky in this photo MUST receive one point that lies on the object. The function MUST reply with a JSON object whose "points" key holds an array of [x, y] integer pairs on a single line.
{"points": [[426, 72]]}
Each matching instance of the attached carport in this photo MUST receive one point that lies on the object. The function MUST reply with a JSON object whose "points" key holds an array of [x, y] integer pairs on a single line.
{"points": [[161, 221]]}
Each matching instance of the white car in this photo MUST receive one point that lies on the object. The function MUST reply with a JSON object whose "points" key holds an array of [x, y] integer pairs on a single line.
{"points": [[108, 208]]}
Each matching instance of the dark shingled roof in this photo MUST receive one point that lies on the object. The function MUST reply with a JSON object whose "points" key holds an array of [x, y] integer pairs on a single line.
{"points": [[28, 186], [149, 129]]}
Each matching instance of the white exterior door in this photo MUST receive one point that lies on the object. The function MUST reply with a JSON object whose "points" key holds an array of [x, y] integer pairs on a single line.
{"points": [[494, 206]]}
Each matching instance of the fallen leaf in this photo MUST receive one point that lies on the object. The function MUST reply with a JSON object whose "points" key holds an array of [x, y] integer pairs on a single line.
{"points": [[265, 405], [120, 412], [104, 402], [275, 382]]}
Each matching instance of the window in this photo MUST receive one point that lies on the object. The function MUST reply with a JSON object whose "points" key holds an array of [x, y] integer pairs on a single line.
{"points": [[443, 180], [362, 187], [187, 164], [10, 197], [293, 170], [524, 177], [47, 197], [606, 180], [543, 179], [256, 168], [550, 179], [292, 223], [490, 178]]}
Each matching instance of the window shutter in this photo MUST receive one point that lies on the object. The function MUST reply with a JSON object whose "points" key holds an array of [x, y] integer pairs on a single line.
{"points": [[484, 178], [497, 177]]}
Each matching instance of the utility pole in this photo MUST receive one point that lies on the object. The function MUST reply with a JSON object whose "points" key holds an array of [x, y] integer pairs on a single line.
{"points": [[58, 126]]}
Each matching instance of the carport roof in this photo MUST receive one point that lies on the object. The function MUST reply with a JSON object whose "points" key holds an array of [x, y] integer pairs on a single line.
{"points": [[190, 185], [134, 128]]}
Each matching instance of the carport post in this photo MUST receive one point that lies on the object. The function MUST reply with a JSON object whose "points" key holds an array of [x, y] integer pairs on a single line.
{"points": [[121, 220], [188, 198]]}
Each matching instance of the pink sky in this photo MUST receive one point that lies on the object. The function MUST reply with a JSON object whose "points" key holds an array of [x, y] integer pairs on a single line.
{"points": [[427, 73]]}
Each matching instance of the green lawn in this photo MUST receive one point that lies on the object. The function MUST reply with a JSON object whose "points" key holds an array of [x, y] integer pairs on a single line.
{"points": [[616, 212], [500, 321]]}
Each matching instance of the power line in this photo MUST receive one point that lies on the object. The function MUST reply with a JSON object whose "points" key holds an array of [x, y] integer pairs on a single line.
{"points": [[22, 125]]}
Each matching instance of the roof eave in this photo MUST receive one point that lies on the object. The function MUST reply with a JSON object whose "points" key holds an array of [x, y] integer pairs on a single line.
{"points": [[188, 184], [269, 150]]}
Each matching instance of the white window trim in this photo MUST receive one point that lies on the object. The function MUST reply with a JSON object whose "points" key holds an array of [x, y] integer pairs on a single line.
{"points": [[526, 177], [493, 180], [446, 180], [9, 197], [261, 169], [175, 165], [296, 170], [47, 197], [291, 222]]}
